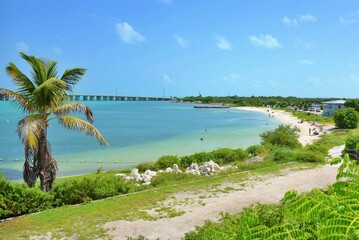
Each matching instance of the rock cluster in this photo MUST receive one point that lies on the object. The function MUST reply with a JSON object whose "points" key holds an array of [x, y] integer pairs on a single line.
{"points": [[206, 169]]}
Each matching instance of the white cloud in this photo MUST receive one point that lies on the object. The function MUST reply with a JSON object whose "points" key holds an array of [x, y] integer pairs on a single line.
{"points": [[223, 43], [57, 50], [266, 41], [306, 62], [22, 47], [289, 22], [165, 1], [128, 34], [167, 80], [304, 44], [308, 18], [346, 21], [232, 78], [181, 41]]}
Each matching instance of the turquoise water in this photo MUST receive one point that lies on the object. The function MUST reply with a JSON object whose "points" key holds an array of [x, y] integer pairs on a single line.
{"points": [[136, 132]]}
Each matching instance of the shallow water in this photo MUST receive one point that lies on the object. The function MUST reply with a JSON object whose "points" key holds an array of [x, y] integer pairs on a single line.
{"points": [[136, 132]]}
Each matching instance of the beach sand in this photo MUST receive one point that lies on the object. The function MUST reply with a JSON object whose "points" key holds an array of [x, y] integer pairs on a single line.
{"points": [[288, 119]]}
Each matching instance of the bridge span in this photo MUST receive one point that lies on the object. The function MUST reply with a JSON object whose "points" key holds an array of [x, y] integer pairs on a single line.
{"points": [[81, 97], [86, 97]]}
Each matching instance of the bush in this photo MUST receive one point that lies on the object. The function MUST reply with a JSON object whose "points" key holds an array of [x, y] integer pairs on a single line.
{"points": [[309, 156], [145, 166], [18, 199], [200, 157], [284, 136], [241, 154], [254, 150], [346, 118], [166, 161], [224, 155], [352, 142], [283, 155], [86, 189]]}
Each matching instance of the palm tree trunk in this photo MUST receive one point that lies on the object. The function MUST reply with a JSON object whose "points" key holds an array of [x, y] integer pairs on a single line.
{"points": [[47, 163]]}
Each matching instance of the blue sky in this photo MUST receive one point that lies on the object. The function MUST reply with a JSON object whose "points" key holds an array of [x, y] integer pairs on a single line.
{"points": [[304, 48]]}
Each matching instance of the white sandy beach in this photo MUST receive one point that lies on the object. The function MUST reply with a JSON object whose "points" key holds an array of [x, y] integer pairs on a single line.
{"points": [[288, 119]]}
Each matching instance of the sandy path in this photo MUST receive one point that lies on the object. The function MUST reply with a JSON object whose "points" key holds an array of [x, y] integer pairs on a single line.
{"points": [[267, 191], [287, 118]]}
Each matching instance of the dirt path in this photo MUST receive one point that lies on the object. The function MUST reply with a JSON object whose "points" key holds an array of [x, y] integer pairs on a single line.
{"points": [[201, 206]]}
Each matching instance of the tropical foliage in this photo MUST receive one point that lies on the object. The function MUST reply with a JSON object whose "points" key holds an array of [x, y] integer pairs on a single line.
{"points": [[44, 97], [346, 118], [330, 214], [284, 135]]}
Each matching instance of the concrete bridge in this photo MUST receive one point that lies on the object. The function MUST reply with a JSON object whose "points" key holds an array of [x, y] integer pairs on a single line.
{"points": [[82, 97], [77, 97]]}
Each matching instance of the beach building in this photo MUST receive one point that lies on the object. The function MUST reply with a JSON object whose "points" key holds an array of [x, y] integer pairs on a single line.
{"points": [[330, 106]]}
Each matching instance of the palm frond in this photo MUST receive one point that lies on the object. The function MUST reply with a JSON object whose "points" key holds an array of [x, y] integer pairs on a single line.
{"points": [[38, 67], [51, 67], [22, 102], [74, 107], [50, 93], [29, 129], [72, 76], [74, 123], [26, 87]]}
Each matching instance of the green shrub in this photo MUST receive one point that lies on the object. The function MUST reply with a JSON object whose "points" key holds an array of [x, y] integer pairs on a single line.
{"points": [[18, 199], [86, 189], [241, 154], [200, 157], [352, 142], [142, 167], [226, 155], [284, 136], [317, 147], [166, 161], [309, 156], [223, 155], [282, 155], [254, 150], [346, 118]]}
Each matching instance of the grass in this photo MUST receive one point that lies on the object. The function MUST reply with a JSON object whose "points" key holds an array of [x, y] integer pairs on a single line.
{"points": [[311, 117]]}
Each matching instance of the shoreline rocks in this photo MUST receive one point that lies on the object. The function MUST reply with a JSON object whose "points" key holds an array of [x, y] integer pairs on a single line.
{"points": [[208, 168]]}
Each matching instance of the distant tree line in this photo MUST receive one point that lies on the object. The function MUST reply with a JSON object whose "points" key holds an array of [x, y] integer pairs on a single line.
{"points": [[258, 101]]}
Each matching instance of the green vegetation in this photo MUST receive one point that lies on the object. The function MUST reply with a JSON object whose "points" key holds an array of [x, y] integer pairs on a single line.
{"points": [[311, 117], [260, 101], [44, 98], [352, 142], [346, 118], [284, 136], [352, 103], [331, 214]]}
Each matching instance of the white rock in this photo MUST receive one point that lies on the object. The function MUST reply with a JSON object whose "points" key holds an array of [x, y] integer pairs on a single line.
{"points": [[169, 170], [146, 183], [150, 173], [146, 178], [129, 178], [160, 171], [134, 172], [120, 175]]}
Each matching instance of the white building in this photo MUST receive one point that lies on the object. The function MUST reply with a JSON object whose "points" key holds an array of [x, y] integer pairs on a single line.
{"points": [[330, 106]]}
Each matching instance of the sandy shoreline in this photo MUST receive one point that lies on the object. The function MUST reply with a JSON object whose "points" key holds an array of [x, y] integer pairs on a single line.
{"points": [[288, 119]]}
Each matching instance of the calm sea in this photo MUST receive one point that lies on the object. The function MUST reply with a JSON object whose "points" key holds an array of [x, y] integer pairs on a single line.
{"points": [[136, 132]]}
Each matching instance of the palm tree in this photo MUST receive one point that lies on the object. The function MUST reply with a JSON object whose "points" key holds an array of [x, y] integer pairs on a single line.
{"points": [[44, 97]]}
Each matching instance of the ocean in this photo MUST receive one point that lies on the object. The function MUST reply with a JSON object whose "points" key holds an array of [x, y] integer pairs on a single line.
{"points": [[136, 132]]}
